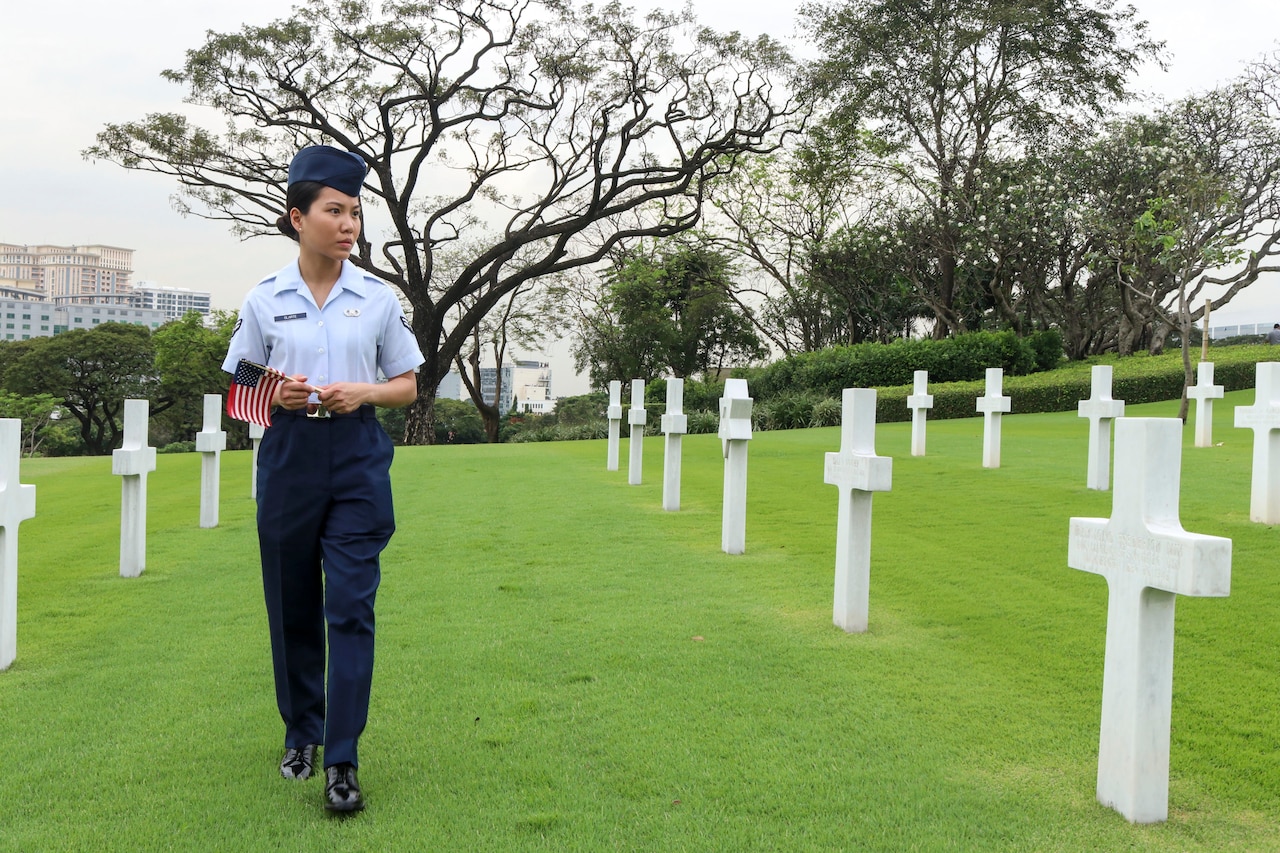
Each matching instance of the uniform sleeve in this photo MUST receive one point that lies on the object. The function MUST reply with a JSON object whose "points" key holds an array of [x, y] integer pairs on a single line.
{"points": [[246, 339], [399, 352]]}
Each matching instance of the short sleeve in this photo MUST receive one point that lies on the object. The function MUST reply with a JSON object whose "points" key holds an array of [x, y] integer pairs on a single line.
{"points": [[399, 352], [246, 338]]}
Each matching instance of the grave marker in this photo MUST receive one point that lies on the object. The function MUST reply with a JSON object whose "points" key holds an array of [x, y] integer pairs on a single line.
{"points": [[132, 462], [1100, 409], [675, 423], [992, 406], [1204, 392], [1263, 417], [615, 422], [920, 402], [735, 432], [857, 472], [1147, 559], [636, 417], [17, 504], [210, 442]]}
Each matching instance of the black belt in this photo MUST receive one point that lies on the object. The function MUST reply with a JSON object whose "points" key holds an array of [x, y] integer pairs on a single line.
{"points": [[364, 413]]}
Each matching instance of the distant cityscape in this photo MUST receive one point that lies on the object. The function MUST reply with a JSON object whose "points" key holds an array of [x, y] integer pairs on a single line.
{"points": [[45, 290]]}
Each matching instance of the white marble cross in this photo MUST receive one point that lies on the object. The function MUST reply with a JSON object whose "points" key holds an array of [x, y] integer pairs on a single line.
{"points": [[636, 417], [132, 462], [1100, 409], [1204, 392], [735, 432], [1147, 559], [1263, 417], [857, 472], [17, 504], [992, 407], [256, 432], [675, 423], [210, 442], [920, 402], [615, 423]]}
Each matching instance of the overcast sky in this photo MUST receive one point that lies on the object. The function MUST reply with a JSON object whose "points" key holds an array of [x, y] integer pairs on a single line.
{"points": [[72, 66]]}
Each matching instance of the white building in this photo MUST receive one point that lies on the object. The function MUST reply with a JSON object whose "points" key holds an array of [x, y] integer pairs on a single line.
{"points": [[23, 319], [526, 387], [531, 385], [173, 302]]}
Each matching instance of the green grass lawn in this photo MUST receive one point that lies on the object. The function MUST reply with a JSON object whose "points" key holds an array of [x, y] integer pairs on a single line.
{"points": [[562, 665]]}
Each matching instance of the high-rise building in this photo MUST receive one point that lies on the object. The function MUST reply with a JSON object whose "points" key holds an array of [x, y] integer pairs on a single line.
{"points": [[49, 289], [68, 274], [531, 385], [173, 302], [526, 387], [489, 387]]}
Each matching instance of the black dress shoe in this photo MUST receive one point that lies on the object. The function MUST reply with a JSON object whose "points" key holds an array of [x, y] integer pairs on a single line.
{"points": [[342, 790], [298, 762]]}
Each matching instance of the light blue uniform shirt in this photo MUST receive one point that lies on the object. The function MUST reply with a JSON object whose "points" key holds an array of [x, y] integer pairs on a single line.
{"points": [[360, 331]]}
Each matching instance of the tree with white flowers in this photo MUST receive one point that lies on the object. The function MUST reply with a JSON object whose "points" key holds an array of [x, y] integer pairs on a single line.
{"points": [[944, 87]]}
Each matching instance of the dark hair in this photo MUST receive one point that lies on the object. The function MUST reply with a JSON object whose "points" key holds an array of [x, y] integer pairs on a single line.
{"points": [[300, 195]]}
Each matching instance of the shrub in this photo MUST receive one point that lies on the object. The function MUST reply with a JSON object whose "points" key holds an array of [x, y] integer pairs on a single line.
{"points": [[697, 394], [563, 432], [786, 411], [178, 447], [1137, 379], [703, 421], [827, 372], [582, 409], [828, 412], [1047, 348]]}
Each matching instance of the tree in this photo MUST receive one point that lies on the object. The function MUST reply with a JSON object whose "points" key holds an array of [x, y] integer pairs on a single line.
{"points": [[459, 423], [36, 414], [854, 278], [776, 213], [92, 372], [669, 313], [530, 121], [188, 363], [513, 322], [946, 86], [1208, 216]]}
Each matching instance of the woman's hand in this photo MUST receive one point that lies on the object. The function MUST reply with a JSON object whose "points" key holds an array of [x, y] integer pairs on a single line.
{"points": [[343, 397], [293, 392]]}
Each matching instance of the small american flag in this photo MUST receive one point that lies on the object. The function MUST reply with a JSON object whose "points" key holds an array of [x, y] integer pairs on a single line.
{"points": [[252, 388]]}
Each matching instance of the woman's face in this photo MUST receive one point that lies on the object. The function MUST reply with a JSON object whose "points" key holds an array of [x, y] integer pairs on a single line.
{"points": [[331, 225]]}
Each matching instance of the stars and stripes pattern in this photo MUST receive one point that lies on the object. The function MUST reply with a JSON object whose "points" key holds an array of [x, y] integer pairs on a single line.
{"points": [[252, 388]]}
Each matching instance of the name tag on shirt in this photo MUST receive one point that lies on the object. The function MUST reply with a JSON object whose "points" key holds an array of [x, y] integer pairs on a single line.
{"points": [[299, 316]]}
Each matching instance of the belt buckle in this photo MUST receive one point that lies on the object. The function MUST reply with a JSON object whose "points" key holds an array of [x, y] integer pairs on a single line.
{"points": [[317, 410]]}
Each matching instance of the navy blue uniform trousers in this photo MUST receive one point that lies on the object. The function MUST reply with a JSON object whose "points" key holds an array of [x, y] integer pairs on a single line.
{"points": [[324, 516]]}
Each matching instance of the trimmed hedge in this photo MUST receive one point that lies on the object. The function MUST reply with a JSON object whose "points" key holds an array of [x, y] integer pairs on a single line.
{"points": [[698, 396], [871, 365], [1136, 379]]}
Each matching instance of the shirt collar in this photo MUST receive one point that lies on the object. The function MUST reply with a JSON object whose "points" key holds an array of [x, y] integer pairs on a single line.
{"points": [[351, 279]]}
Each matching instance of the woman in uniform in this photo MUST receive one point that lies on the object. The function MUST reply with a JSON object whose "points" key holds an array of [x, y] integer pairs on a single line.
{"points": [[324, 487]]}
